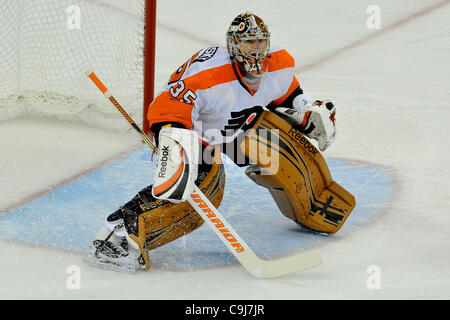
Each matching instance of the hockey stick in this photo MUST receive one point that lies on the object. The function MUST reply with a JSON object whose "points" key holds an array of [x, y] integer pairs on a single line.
{"points": [[255, 266]]}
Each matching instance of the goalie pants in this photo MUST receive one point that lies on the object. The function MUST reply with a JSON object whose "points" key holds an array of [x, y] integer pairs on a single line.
{"points": [[152, 222]]}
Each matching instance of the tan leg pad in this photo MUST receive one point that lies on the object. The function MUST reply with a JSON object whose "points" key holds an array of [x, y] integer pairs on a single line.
{"points": [[296, 175]]}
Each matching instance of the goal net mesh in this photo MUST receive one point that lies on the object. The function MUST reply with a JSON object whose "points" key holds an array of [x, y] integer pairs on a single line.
{"points": [[47, 46]]}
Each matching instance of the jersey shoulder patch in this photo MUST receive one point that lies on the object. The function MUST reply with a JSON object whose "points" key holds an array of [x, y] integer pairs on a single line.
{"points": [[206, 54]]}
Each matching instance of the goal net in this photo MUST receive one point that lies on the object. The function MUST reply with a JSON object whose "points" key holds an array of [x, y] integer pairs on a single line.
{"points": [[47, 45]]}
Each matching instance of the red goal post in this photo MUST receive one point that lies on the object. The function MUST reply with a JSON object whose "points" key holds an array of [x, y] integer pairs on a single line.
{"points": [[149, 69]]}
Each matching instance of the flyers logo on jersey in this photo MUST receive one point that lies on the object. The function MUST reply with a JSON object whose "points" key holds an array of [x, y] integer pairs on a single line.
{"points": [[242, 120]]}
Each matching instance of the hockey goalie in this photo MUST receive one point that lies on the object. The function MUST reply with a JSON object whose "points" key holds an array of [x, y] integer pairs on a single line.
{"points": [[244, 100]]}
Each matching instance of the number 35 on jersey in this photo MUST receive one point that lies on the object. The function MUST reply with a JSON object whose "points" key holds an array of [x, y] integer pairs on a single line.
{"points": [[178, 92]]}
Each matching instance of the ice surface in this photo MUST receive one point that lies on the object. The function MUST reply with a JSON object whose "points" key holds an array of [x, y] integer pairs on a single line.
{"points": [[69, 216], [392, 96]]}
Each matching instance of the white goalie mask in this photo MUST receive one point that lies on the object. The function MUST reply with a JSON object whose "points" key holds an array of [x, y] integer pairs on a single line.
{"points": [[248, 41]]}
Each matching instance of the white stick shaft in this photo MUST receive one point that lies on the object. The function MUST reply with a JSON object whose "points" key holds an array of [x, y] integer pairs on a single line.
{"points": [[217, 222], [254, 265]]}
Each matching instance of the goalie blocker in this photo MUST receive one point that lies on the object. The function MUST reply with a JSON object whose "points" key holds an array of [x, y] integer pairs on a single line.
{"points": [[300, 182]]}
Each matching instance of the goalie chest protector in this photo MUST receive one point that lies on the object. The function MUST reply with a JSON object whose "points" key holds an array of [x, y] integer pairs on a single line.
{"points": [[296, 175]]}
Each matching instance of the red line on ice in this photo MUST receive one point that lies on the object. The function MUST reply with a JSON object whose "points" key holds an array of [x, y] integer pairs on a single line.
{"points": [[393, 26]]}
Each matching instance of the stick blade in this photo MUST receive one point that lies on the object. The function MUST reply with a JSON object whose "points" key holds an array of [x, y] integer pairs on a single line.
{"points": [[265, 269]]}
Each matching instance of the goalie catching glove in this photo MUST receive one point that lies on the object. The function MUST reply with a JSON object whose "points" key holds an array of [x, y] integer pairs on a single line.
{"points": [[176, 168], [317, 121]]}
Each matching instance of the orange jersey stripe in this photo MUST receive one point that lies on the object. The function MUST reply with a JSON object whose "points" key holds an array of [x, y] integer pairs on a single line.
{"points": [[214, 76], [211, 77]]}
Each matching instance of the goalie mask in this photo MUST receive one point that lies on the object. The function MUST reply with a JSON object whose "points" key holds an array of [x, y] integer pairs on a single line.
{"points": [[248, 42]]}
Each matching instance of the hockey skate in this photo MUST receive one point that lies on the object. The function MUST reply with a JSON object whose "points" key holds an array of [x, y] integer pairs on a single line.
{"points": [[114, 252]]}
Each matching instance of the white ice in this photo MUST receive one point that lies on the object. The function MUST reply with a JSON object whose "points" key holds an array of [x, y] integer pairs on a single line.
{"points": [[392, 94]]}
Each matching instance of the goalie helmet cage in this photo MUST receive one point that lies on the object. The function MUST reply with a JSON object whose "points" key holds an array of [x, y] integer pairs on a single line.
{"points": [[47, 45]]}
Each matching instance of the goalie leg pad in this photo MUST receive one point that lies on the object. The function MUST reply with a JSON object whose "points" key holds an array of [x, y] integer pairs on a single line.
{"points": [[152, 222], [176, 167], [300, 181]]}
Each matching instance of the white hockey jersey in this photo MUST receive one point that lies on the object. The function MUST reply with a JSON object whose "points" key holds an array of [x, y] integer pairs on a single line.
{"points": [[205, 93]]}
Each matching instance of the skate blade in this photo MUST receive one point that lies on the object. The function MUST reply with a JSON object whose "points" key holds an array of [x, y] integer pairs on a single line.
{"points": [[112, 266]]}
